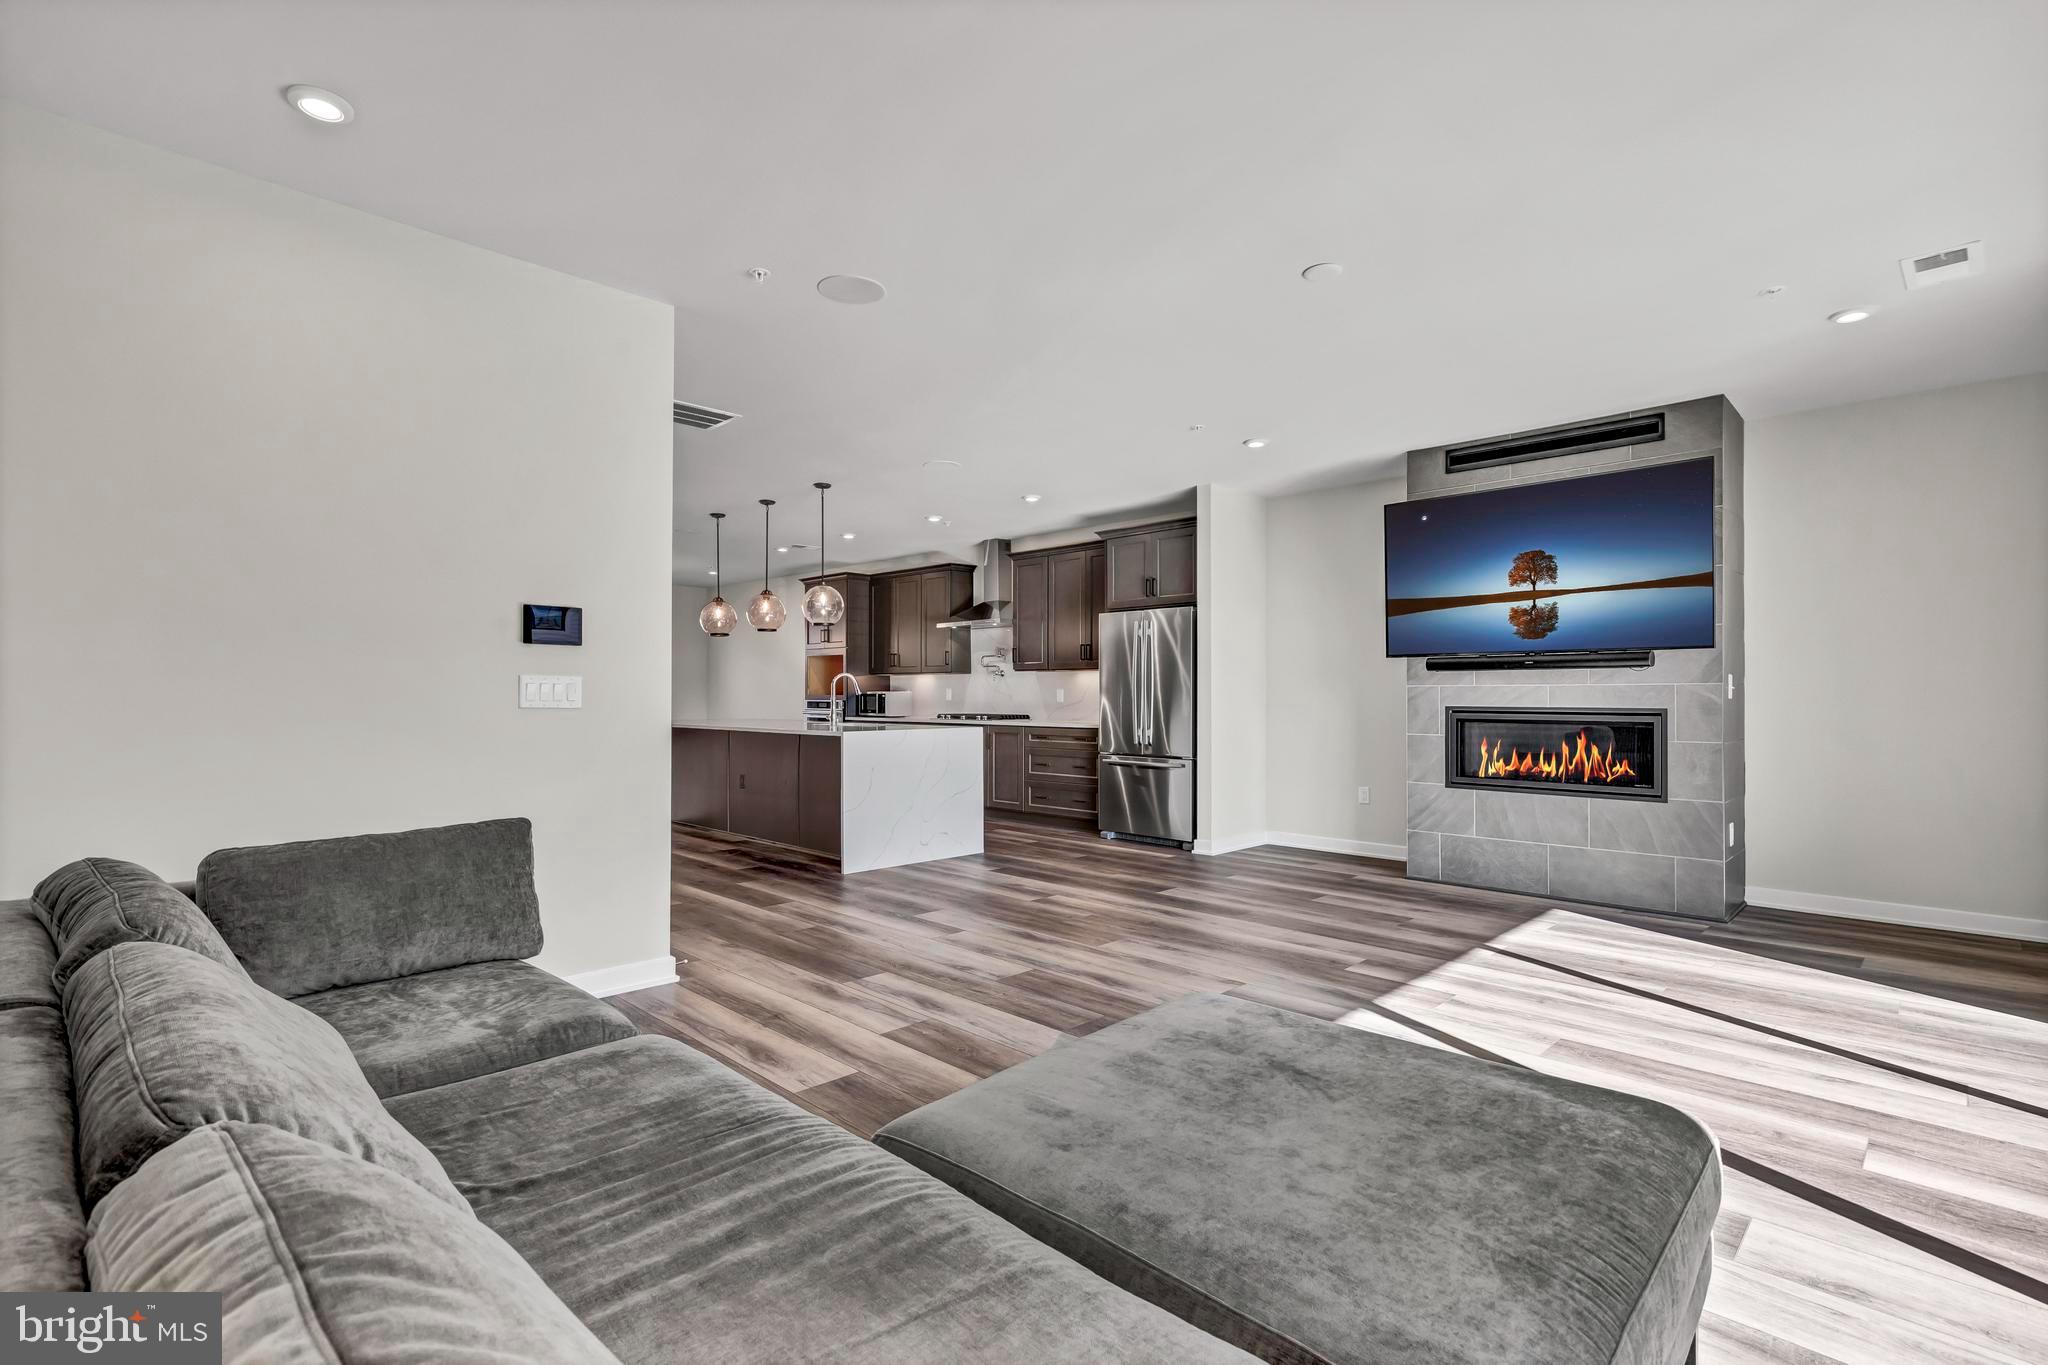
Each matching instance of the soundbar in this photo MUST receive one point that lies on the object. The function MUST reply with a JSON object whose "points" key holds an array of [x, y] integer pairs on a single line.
{"points": [[1585, 658]]}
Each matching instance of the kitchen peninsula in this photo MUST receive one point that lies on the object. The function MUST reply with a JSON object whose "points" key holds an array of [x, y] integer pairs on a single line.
{"points": [[869, 795]]}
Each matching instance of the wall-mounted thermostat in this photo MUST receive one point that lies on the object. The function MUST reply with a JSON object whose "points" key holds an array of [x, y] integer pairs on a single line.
{"points": [[550, 692], [550, 625]]}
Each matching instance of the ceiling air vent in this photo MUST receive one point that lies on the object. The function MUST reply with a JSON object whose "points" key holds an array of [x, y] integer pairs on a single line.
{"points": [[691, 415], [1942, 266], [1604, 434]]}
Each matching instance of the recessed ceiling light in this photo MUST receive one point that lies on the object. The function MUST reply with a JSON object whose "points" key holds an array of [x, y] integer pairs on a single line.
{"points": [[1323, 270], [934, 517], [846, 535], [782, 549], [322, 106], [1849, 315], [1031, 497], [851, 289], [1256, 442], [941, 464]]}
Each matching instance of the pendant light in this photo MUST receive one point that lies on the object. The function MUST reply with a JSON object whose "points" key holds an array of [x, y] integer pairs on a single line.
{"points": [[718, 616], [766, 610], [822, 604]]}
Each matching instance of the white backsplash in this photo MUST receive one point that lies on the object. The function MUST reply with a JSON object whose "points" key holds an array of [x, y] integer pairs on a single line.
{"points": [[1032, 694]]}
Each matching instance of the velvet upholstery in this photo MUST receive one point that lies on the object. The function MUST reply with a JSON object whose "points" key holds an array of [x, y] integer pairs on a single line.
{"points": [[164, 1041], [416, 1032], [28, 957], [94, 903], [310, 916], [41, 1224], [1322, 1194], [321, 1259], [684, 1212]]}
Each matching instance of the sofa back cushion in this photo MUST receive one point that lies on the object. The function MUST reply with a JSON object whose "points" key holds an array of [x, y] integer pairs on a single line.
{"points": [[320, 1259], [95, 903], [164, 1041], [334, 912]]}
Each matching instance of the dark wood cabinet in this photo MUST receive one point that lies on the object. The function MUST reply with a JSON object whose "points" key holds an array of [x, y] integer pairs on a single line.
{"points": [[762, 794], [1151, 566], [1003, 752], [908, 609], [852, 635], [817, 790], [1048, 771], [1059, 593], [696, 777]]}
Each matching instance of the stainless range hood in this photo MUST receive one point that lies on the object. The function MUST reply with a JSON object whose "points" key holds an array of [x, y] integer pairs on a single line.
{"points": [[992, 591]]}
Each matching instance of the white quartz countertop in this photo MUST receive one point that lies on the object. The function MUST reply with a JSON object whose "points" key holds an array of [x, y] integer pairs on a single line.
{"points": [[985, 724], [795, 727]]}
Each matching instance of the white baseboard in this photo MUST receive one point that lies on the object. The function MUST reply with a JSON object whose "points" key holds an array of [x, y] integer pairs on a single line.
{"points": [[1357, 848], [626, 976], [1322, 843], [1209, 848], [1891, 912]]}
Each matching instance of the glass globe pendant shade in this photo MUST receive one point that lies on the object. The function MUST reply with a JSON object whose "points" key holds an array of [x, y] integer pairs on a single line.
{"points": [[718, 617], [766, 611], [823, 605]]}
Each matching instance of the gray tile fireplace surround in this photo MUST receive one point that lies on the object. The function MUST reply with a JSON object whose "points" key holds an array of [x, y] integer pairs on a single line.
{"points": [[1675, 856]]}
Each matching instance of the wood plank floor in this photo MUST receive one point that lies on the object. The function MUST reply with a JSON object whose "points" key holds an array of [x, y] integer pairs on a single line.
{"points": [[1881, 1094]]}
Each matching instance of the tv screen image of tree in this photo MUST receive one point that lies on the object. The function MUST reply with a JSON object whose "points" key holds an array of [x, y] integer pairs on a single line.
{"points": [[1611, 561]]}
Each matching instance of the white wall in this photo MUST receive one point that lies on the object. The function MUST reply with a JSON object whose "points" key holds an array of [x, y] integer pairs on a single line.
{"points": [[275, 478], [1336, 706], [689, 678], [1230, 679], [1897, 597], [753, 674]]}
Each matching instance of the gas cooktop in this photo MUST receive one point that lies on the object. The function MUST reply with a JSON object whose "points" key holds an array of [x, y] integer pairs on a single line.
{"points": [[983, 715]]}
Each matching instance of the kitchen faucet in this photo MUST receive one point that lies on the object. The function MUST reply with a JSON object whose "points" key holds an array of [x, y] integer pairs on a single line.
{"points": [[832, 691]]}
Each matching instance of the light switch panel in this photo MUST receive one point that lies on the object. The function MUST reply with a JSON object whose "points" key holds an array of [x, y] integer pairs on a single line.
{"points": [[550, 691]]}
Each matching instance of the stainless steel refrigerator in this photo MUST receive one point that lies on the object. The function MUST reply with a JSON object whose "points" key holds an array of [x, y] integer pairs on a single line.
{"points": [[1146, 768]]}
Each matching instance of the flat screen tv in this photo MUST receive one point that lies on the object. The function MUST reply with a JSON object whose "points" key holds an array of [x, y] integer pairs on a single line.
{"points": [[1610, 561]]}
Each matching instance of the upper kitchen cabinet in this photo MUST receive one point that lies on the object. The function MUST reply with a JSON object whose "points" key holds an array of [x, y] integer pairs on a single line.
{"points": [[908, 609], [853, 634], [1151, 566], [1058, 593]]}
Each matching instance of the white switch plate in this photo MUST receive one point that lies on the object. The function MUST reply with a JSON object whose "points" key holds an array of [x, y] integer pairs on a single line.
{"points": [[1059, 694], [949, 694], [1365, 796], [550, 691]]}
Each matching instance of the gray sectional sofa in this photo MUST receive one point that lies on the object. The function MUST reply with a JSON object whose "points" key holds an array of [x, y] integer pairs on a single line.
{"points": [[325, 1085]]}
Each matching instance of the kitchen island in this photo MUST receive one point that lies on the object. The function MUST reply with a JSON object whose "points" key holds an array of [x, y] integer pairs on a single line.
{"points": [[868, 795]]}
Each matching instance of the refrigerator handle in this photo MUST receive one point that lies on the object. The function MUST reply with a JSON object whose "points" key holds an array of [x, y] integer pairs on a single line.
{"points": [[1148, 673]]}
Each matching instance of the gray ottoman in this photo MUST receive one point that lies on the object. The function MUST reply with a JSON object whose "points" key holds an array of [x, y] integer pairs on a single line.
{"points": [[1314, 1193]]}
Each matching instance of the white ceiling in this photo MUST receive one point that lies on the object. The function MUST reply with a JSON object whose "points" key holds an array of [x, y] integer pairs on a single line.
{"points": [[1090, 217]]}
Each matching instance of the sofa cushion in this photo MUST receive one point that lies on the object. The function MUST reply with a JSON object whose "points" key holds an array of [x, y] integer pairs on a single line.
{"points": [[164, 1041], [682, 1211], [1329, 1195], [321, 1259], [28, 957], [415, 1032], [332, 912], [41, 1224], [94, 903]]}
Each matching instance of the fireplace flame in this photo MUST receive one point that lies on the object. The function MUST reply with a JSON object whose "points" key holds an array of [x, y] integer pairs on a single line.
{"points": [[1582, 762]]}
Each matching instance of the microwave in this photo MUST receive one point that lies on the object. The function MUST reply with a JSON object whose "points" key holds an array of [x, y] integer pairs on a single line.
{"points": [[882, 705]]}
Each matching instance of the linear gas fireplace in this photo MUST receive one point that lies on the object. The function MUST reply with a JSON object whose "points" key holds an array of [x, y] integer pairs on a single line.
{"points": [[1578, 753]]}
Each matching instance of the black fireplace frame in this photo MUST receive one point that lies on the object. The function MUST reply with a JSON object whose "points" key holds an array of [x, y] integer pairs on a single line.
{"points": [[1660, 739]]}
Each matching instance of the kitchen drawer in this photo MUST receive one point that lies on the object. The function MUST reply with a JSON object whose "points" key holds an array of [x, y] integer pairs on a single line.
{"points": [[1075, 735], [1075, 800], [1060, 760]]}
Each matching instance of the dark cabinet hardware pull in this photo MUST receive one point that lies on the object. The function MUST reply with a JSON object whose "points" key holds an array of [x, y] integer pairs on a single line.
{"points": [[743, 781]]}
